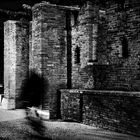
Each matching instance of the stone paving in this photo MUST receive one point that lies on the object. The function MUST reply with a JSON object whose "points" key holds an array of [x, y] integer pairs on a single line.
{"points": [[7, 115], [14, 125]]}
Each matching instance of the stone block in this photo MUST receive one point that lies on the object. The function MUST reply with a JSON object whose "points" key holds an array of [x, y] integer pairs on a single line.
{"points": [[8, 103], [33, 112]]}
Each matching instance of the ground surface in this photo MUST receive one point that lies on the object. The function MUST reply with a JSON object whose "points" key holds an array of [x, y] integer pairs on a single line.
{"points": [[14, 126]]}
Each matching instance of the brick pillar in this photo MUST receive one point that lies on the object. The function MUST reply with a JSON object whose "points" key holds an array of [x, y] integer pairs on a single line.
{"points": [[84, 35], [1, 56], [16, 44], [48, 56]]}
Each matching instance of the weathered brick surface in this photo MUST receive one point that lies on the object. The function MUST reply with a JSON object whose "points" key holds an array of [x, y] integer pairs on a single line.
{"points": [[9, 59], [4, 16], [98, 35], [122, 73], [70, 105], [111, 70], [118, 111], [16, 58], [49, 50], [22, 55], [30, 45], [111, 111]]}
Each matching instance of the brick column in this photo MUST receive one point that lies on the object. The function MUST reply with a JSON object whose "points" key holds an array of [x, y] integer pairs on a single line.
{"points": [[90, 20], [84, 35], [16, 44]]}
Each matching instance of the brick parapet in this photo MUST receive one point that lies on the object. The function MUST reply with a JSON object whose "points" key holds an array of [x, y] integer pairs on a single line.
{"points": [[105, 109]]}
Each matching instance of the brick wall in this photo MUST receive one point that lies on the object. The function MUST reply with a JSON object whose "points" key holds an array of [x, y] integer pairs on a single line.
{"points": [[122, 72], [22, 57], [115, 63], [114, 110], [70, 106], [112, 64], [48, 56]]}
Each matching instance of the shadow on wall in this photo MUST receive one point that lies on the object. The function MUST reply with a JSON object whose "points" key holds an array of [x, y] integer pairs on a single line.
{"points": [[34, 90]]}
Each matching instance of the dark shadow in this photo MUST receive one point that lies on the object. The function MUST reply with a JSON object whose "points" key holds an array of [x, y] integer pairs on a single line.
{"points": [[36, 137], [71, 120], [58, 104], [33, 93], [38, 126], [34, 90]]}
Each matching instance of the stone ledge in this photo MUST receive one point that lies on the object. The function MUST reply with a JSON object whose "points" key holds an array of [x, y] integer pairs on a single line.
{"points": [[103, 92]]}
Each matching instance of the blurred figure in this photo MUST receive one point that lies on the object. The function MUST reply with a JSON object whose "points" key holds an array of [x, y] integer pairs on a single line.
{"points": [[33, 91]]}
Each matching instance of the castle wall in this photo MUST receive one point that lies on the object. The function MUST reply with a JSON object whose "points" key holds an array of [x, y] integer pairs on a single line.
{"points": [[48, 51], [118, 61], [111, 61], [104, 56], [111, 68]]}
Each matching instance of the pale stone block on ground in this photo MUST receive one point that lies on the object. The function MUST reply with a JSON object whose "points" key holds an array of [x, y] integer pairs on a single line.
{"points": [[38, 113], [8, 103]]}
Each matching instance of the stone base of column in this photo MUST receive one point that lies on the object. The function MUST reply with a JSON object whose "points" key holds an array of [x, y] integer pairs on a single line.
{"points": [[8, 103]]}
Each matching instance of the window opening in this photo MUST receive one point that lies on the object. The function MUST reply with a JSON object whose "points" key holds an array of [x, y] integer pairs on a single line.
{"points": [[124, 43], [77, 55]]}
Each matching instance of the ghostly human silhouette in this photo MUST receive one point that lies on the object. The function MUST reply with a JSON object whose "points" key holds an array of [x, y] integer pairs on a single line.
{"points": [[34, 89], [33, 92]]}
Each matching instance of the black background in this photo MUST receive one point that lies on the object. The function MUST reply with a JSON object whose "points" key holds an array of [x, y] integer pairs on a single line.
{"points": [[16, 5]]}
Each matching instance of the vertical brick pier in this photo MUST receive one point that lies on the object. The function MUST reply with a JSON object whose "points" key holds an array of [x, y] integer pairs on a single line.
{"points": [[48, 50], [16, 61]]}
